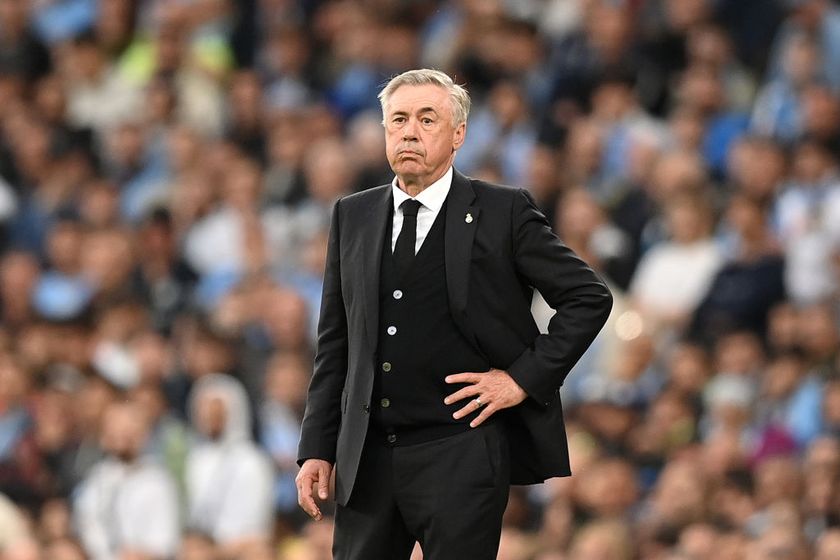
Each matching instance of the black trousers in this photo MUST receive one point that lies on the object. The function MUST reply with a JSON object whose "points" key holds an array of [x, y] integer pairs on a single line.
{"points": [[448, 494]]}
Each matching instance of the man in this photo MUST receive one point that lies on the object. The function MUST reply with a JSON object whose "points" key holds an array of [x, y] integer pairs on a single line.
{"points": [[229, 480], [432, 389], [128, 506]]}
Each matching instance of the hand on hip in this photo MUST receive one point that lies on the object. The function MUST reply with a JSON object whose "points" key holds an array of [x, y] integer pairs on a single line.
{"points": [[490, 391]]}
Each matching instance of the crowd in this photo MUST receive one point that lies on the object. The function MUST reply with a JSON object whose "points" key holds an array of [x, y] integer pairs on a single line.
{"points": [[167, 172]]}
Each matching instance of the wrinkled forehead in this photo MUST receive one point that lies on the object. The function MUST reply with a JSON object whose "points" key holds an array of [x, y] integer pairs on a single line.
{"points": [[418, 98]]}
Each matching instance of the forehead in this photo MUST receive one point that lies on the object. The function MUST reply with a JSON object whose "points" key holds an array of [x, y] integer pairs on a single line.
{"points": [[408, 98]]}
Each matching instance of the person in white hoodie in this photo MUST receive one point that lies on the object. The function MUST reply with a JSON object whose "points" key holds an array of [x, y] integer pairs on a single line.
{"points": [[229, 480], [127, 507]]}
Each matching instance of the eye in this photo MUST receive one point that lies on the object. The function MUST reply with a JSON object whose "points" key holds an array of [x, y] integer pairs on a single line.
{"points": [[427, 120], [398, 120]]}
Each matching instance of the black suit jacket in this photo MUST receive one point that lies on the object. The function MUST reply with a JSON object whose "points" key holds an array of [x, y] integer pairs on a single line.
{"points": [[498, 248]]}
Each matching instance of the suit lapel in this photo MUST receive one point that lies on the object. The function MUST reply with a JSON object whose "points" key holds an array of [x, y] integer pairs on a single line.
{"points": [[461, 223], [372, 238]]}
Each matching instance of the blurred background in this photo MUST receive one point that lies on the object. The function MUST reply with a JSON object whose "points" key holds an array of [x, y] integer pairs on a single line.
{"points": [[167, 170]]}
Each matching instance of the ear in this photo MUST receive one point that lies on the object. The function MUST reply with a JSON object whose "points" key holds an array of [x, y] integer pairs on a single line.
{"points": [[458, 136]]}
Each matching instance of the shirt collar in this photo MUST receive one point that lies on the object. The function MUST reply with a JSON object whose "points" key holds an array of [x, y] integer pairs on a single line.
{"points": [[432, 197]]}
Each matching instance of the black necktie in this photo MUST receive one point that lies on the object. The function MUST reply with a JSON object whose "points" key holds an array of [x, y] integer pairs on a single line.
{"points": [[404, 249]]}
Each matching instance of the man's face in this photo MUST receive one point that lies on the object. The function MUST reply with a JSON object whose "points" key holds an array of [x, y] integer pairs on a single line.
{"points": [[124, 432], [211, 416], [420, 137]]}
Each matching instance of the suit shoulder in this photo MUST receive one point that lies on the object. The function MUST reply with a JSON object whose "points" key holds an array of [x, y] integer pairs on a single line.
{"points": [[483, 186], [492, 192], [516, 202], [366, 195], [364, 198]]}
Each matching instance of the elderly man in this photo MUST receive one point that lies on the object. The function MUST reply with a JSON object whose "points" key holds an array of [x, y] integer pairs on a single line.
{"points": [[433, 390]]}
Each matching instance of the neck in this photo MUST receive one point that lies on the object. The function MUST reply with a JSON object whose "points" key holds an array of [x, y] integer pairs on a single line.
{"points": [[411, 188], [413, 185]]}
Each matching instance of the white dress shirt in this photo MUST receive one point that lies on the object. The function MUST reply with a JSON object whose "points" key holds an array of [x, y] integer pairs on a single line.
{"points": [[229, 490], [431, 200], [120, 507]]}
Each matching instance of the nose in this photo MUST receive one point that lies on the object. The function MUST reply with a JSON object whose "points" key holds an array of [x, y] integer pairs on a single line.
{"points": [[409, 131]]}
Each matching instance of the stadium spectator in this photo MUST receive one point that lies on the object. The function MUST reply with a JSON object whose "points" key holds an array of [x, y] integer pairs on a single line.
{"points": [[129, 130], [229, 494], [673, 276], [126, 506]]}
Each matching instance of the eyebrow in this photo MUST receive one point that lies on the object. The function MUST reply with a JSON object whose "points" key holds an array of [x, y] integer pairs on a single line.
{"points": [[420, 112]]}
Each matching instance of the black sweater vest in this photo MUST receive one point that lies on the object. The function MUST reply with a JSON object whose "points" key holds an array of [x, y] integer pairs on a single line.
{"points": [[419, 345]]}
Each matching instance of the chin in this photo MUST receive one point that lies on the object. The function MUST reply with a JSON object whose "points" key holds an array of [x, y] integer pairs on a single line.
{"points": [[410, 169]]}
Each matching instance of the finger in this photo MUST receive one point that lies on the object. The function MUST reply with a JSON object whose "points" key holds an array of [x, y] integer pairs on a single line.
{"points": [[469, 391], [303, 481], [306, 498], [323, 483], [471, 406], [311, 505], [307, 502], [485, 414], [466, 377]]}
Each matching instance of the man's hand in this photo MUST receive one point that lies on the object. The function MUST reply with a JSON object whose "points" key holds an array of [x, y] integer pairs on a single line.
{"points": [[494, 390], [313, 472]]}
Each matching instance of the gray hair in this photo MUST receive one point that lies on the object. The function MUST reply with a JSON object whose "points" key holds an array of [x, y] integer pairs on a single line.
{"points": [[426, 76]]}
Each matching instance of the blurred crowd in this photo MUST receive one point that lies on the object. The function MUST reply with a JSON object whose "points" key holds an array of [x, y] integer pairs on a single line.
{"points": [[167, 171]]}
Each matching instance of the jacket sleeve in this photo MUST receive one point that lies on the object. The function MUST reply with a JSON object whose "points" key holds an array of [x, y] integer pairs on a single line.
{"points": [[319, 431], [580, 298]]}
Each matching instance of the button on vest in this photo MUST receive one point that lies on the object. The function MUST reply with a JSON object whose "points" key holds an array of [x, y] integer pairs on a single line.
{"points": [[419, 343]]}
